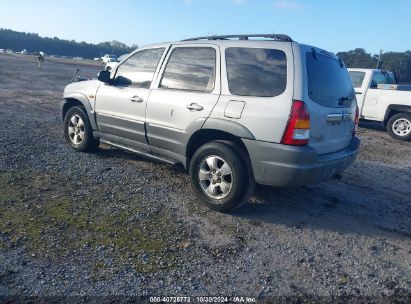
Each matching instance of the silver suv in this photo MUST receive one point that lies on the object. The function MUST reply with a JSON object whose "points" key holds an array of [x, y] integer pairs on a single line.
{"points": [[233, 110]]}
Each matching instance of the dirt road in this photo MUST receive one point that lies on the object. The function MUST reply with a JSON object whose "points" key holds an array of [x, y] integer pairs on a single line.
{"points": [[108, 222]]}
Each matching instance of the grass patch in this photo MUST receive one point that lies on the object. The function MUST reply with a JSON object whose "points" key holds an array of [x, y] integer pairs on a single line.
{"points": [[42, 214]]}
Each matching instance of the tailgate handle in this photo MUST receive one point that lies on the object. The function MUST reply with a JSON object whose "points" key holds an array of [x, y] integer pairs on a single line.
{"points": [[339, 117], [334, 117]]}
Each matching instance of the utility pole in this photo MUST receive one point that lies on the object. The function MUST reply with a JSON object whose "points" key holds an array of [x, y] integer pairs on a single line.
{"points": [[379, 59]]}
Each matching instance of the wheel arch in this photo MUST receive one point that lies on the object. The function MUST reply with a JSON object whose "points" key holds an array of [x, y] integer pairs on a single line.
{"points": [[206, 135], [78, 100], [395, 109]]}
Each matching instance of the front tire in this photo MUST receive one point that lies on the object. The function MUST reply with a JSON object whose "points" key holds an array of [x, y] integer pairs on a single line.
{"points": [[399, 126], [220, 176], [78, 131]]}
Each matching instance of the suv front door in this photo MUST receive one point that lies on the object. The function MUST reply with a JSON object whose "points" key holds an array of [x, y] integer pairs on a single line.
{"points": [[183, 97], [121, 106]]}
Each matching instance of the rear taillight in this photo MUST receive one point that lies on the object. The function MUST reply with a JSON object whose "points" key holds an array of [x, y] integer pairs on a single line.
{"points": [[298, 126], [357, 120]]}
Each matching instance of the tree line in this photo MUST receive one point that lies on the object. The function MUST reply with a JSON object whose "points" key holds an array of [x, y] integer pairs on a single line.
{"points": [[397, 62], [33, 43]]}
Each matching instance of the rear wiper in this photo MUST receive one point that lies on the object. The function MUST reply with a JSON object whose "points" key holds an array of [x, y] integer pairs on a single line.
{"points": [[342, 100]]}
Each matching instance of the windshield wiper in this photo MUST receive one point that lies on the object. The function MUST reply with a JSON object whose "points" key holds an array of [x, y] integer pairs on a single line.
{"points": [[342, 100]]}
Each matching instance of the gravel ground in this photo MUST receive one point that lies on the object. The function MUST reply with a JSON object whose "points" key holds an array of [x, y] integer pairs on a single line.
{"points": [[109, 223]]}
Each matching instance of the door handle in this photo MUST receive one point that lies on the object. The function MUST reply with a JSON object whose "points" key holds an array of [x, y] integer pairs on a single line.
{"points": [[137, 99], [194, 107], [358, 93]]}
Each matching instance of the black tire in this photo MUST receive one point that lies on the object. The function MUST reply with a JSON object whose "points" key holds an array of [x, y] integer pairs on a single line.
{"points": [[87, 142], [241, 178], [400, 120]]}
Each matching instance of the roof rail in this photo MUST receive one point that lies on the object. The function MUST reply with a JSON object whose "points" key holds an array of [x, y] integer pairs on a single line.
{"points": [[277, 37]]}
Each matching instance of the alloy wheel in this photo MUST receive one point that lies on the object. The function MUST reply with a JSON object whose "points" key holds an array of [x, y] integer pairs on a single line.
{"points": [[215, 177], [76, 129]]}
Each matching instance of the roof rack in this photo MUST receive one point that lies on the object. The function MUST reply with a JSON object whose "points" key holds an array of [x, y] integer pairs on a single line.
{"points": [[277, 37]]}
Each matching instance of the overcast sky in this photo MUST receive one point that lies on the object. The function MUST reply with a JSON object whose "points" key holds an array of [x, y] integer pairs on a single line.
{"points": [[337, 25]]}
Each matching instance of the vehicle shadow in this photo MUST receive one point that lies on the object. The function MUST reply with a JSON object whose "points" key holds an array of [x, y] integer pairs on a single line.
{"points": [[373, 125], [112, 152], [355, 204], [362, 202]]}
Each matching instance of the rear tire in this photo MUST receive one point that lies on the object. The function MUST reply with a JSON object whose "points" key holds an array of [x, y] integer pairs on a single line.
{"points": [[399, 126], [78, 131], [220, 176]]}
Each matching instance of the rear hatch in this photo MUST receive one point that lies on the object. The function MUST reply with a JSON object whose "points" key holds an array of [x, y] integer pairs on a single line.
{"points": [[330, 98]]}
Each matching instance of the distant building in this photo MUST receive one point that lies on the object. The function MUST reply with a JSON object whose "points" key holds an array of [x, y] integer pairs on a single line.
{"points": [[24, 52]]}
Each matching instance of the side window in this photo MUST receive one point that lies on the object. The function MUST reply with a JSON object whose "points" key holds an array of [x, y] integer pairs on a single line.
{"points": [[381, 78], [357, 78], [256, 72], [138, 70], [389, 77], [190, 68]]}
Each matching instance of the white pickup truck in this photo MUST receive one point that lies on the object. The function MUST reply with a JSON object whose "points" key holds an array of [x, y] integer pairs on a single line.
{"points": [[108, 58], [380, 99]]}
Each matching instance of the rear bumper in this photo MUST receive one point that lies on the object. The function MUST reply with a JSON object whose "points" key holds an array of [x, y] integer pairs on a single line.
{"points": [[281, 165]]}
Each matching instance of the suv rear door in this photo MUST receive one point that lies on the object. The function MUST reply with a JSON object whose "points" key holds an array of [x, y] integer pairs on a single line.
{"points": [[331, 100], [183, 96]]}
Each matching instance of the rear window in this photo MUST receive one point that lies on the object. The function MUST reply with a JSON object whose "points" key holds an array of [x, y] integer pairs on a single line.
{"points": [[382, 77], [328, 81], [357, 78], [256, 72]]}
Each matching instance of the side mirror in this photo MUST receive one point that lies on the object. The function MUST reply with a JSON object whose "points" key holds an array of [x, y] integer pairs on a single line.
{"points": [[104, 76]]}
